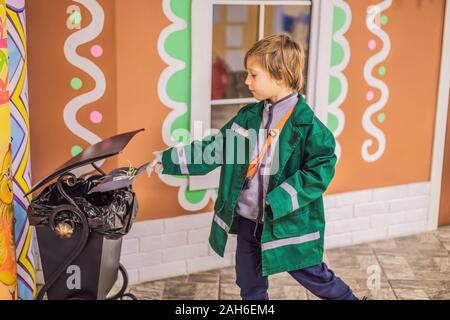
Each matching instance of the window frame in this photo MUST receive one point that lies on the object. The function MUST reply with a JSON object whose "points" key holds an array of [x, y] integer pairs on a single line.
{"points": [[201, 44]]}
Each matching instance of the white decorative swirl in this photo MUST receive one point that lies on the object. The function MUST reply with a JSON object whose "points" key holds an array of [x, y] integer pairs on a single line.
{"points": [[367, 124], [92, 31], [337, 72], [178, 108]]}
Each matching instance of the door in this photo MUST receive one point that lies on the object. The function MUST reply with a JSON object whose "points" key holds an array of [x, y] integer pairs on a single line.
{"points": [[444, 206]]}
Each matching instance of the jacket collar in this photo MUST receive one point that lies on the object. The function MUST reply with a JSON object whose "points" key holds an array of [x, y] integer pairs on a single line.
{"points": [[270, 104], [303, 115]]}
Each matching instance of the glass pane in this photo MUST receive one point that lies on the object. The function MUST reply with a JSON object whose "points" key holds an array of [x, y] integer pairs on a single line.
{"points": [[221, 114], [235, 29], [293, 20]]}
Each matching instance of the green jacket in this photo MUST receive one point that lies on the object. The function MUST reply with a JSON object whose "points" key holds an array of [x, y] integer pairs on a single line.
{"points": [[293, 230]]}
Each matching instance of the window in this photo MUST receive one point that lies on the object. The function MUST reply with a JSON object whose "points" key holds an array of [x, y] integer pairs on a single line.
{"points": [[236, 26], [222, 32]]}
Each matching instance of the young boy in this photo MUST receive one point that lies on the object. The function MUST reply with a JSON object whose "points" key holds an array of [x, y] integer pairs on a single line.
{"points": [[272, 199]]}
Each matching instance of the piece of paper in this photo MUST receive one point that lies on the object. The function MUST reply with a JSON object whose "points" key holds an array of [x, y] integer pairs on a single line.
{"points": [[118, 178]]}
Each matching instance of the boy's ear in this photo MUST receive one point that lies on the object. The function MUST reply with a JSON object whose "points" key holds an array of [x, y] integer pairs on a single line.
{"points": [[279, 82]]}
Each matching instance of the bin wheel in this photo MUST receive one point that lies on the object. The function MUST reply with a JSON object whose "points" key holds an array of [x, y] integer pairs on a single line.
{"points": [[121, 294], [130, 296]]}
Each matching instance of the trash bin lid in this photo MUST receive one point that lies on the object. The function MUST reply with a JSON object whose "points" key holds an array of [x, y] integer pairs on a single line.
{"points": [[101, 150]]}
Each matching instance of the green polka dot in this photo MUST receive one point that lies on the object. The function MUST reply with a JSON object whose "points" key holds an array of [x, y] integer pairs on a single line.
{"points": [[76, 83], [381, 117], [75, 150], [75, 17], [382, 71], [384, 19], [195, 196]]}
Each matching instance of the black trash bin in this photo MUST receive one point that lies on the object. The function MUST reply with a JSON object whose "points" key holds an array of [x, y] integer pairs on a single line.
{"points": [[80, 222], [90, 276]]}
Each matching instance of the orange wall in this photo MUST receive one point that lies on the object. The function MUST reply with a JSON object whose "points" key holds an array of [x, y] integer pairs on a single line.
{"points": [[138, 104], [132, 67], [415, 29], [49, 84]]}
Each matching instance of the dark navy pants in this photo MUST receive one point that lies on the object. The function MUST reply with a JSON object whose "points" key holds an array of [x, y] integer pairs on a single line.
{"points": [[318, 279]]}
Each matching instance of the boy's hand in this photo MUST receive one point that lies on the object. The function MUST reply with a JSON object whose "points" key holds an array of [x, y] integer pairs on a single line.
{"points": [[156, 163]]}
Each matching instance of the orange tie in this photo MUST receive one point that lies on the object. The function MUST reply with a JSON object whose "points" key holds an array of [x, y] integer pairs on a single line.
{"points": [[272, 133]]}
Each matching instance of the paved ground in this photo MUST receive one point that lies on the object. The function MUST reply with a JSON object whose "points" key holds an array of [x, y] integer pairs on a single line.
{"points": [[413, 267]]}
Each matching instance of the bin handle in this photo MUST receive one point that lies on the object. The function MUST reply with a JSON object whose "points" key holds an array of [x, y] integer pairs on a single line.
{"points": [[70, 184]]}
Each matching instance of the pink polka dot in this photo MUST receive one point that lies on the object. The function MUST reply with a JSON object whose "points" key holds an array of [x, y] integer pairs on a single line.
{"points": [[369, 95], [96, 117], [96, 50], [372, 44]]}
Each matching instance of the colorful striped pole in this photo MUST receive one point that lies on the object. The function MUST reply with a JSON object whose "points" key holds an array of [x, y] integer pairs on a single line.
{"points": [[20, 128], [8, 271]]}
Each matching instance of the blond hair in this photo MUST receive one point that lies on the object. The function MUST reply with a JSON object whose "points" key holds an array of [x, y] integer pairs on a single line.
{"points": [[281, 57]]}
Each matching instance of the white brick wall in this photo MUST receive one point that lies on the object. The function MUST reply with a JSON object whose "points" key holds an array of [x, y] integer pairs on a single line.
{"points": [[377, 214], [176, 246], [198, 235], [181, 243]]}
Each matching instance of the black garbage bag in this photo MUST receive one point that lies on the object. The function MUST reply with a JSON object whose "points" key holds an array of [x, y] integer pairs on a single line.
{"points": [[107, 201]]}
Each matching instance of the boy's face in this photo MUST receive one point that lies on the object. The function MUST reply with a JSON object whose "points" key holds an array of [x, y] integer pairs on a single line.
{"points": [[260, 83]]}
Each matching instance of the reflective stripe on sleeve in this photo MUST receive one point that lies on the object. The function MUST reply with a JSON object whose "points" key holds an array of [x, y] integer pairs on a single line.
{"points": [[293, 193]]}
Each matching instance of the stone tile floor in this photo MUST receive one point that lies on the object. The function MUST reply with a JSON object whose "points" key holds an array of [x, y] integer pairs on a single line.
{"points": [[413, 267]]}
